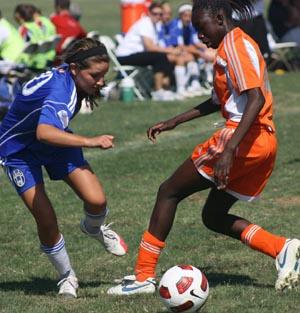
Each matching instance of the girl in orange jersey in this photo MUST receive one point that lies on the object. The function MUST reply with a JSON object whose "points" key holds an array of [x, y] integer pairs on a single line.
{"points": [[235, 163]]}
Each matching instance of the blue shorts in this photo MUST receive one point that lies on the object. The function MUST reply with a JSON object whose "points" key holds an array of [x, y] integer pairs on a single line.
{"points": [[24, 169]]}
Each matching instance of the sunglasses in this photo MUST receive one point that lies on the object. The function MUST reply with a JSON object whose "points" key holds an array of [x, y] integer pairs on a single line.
{"points": [[157, 13]]}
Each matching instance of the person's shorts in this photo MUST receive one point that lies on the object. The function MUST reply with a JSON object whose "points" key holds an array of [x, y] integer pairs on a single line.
{"points": [[253, 162], [24, 169]]}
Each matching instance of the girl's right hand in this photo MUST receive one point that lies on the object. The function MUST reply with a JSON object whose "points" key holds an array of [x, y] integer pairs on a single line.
{"points": [[102, 142], [160, 127]]}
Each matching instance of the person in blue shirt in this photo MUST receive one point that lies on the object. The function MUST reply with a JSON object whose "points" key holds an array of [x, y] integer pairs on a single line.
{"points": [[35, 134], [179, 32]]}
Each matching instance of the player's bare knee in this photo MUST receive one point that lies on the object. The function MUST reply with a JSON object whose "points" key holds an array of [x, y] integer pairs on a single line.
{"points": [[167, 191], [209, 221], [95, 205]]}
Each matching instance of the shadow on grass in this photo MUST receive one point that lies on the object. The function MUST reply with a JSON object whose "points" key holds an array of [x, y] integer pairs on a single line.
{"points": [[217, 279], [41, 286]]}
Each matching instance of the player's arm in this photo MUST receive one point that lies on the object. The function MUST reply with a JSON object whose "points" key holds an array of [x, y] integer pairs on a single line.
{"points": [[222, 167], [54, 136], [205, 108]]}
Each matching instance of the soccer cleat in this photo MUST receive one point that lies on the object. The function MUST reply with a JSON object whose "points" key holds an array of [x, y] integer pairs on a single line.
{"points": [[288, 265], [110, 240], [130, 286], [67, 287]]}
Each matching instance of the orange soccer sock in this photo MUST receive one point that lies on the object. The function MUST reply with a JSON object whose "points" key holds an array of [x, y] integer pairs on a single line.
{"points": [[258, 239], [150, 249]]}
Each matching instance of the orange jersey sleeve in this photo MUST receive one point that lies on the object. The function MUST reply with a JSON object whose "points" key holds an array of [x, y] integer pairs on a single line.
{"points": [[239, 66]]}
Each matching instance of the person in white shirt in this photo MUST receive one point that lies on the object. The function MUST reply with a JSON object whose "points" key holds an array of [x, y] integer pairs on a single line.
{"points": [[140, 48]]}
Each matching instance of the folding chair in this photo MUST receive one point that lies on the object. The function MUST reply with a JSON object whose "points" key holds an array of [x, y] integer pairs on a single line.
{"points": [[124, 70], [49, 44], [280, 52], [30, 48]]}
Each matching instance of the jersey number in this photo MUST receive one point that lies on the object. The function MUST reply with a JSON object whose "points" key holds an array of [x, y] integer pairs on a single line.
{"points": [[33, 85]]}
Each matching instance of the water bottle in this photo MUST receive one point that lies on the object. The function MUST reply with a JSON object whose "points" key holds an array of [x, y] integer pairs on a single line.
{"points": [[127, 89]]}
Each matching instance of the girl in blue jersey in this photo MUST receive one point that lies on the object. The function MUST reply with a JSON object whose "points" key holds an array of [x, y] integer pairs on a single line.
{"points": [[35, 134]]}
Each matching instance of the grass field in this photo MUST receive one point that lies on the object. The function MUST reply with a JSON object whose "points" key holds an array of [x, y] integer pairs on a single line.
{"points": [[240, 279]]}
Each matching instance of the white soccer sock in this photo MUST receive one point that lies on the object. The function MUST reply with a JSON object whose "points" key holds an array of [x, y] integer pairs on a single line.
{"points": [[209, 72], [194, 74], [93, 222], [180, 77], [59, 258]]}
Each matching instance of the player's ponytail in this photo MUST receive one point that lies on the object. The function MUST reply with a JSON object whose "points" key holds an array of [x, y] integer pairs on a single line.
{"points": [[243, 8]]}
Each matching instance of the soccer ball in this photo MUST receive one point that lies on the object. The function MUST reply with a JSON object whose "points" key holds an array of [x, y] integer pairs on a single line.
{"points": [[183, 288]]}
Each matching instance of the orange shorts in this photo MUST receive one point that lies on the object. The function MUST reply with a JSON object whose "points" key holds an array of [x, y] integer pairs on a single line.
{"points": [[253, 162]]}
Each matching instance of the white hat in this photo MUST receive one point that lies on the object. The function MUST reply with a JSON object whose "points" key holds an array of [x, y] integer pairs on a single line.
{"points": [[185, 7]]}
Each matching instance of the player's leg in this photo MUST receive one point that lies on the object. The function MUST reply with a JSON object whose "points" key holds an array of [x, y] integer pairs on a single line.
{"points": [[52, 241], [285, 251], [25, 173], [89, 189], [185, 181]]}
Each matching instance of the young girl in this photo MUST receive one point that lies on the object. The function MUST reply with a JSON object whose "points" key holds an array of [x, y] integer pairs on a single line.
{"points": [[235, 163], [35, 133]]}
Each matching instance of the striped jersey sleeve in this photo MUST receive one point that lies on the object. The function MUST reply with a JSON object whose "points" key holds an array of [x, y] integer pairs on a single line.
{"points": [[243, 60]]}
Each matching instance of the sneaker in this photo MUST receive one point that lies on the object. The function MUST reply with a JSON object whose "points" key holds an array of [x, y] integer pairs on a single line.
{"points": [[288, 265], [162, 95], [67, 287], [130, 286], [110, 240]]}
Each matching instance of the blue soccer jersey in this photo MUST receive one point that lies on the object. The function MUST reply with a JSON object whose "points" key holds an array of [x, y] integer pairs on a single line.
{"points": [[182, 35], [49, 98]]}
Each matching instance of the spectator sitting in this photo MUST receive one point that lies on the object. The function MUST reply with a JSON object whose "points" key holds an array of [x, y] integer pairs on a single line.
{"points": [[48, 30], [165, 40], [11, 45], [184, 36], [284, 17], [140, 48], [66, 25], [31, 33]]}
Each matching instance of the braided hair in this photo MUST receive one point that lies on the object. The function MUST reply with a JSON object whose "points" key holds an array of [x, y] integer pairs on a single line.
{"points": [[83, 52], [243, 8]]}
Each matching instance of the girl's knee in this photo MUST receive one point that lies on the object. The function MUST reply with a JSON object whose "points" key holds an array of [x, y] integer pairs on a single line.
{"points": [[210, 220], [95, 205]]}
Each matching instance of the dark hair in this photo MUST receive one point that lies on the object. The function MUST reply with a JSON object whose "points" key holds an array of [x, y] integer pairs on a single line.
{"points": [[82, 52], [62, 4], [154, 4], [25, 11], [72, 54], [243, 8]]}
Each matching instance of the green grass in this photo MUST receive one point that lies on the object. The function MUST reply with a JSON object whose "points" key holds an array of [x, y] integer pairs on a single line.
{"points": [[241, 280]]}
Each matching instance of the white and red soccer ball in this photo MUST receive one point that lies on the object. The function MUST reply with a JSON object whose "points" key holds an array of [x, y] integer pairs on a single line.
{"points": [[183, 288]]}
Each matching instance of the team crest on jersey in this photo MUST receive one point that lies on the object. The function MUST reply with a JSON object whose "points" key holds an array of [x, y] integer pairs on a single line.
{"points": [[63, 116], [18, 177]]}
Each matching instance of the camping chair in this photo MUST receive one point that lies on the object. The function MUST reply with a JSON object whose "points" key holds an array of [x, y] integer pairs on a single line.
{"points": [[281, 52], [49, 44], [124, 70]]}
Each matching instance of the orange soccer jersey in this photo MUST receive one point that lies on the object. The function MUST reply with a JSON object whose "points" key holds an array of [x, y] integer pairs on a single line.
{"points": [[239, 66]]}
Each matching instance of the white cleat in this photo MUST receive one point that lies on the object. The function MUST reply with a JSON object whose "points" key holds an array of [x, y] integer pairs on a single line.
{"points": [[288, 265], [110, 240], [130, 286], [68, 286]]}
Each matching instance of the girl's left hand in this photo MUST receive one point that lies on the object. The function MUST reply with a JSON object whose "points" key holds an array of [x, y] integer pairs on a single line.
{"points": [[222, 168]]}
